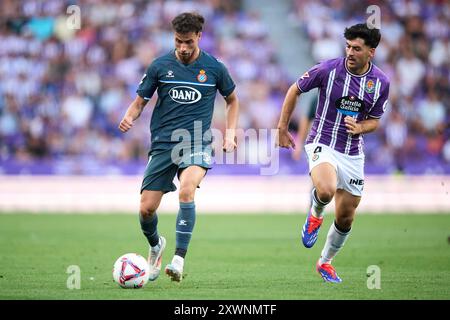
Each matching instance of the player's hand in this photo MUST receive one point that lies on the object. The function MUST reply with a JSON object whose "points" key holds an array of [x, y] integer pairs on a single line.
{"points": [[229, 145], [352, 126], [126, 124], [284, 139]]}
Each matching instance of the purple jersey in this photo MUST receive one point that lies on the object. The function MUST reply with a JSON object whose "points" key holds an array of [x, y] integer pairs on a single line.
{"points": [[342, 93]]}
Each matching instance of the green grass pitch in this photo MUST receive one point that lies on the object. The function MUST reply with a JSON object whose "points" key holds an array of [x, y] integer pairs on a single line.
{"points": [[230, 257]]}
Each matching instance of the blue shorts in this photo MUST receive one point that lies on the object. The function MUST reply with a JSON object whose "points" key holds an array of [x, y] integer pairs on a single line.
{"points": [[163, 165]]}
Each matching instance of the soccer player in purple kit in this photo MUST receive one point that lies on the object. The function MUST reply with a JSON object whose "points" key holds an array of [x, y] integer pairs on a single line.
{"points": [[353, 95]]}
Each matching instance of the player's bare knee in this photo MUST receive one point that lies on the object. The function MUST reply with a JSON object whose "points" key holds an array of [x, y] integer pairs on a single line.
{"points": [[147, 210], [325, 192], [186, 194]]}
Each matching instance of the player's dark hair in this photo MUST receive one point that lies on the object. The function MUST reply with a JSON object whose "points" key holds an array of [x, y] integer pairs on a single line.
{"points": [[188, 22], [371, 36]]}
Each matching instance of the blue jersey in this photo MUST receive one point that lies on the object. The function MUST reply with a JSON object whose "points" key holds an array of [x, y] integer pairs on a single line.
{"points": [[186, 95]]}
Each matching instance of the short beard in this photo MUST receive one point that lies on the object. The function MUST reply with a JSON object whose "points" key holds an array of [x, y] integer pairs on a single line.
{"points": [[184, 58]]}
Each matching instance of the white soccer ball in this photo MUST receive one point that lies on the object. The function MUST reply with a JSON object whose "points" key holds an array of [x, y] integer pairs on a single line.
{"points": [[131, 271]]}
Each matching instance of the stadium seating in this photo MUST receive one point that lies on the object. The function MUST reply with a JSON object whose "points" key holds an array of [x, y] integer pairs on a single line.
{"points": [[62, 92]]}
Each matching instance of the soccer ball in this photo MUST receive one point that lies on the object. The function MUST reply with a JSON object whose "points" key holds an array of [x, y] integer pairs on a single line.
{"points": [[131, 271]]}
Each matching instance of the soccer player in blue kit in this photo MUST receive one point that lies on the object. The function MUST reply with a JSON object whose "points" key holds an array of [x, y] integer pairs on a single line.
{"points": [[186, 80], [353, 95]]}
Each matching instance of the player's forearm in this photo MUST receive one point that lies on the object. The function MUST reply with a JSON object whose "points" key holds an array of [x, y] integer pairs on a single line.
{"points": [[289, 104], [135, 108], [368, 125]]}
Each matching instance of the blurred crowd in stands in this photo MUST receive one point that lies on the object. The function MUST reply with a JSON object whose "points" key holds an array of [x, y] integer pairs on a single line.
{"points": [[63, 91], [415, 54]]}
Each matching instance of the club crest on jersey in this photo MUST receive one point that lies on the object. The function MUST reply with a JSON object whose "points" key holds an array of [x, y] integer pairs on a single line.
{"points": [[169, 74], [369, 87], [201, 77], [185, 94]]}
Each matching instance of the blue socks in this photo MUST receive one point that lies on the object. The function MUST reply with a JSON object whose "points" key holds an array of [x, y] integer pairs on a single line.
{"points": [[184, 227], [149, 228]]}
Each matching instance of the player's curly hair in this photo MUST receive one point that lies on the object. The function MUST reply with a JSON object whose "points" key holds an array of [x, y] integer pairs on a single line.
{"points": [[371, 36], [188, 22]]}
